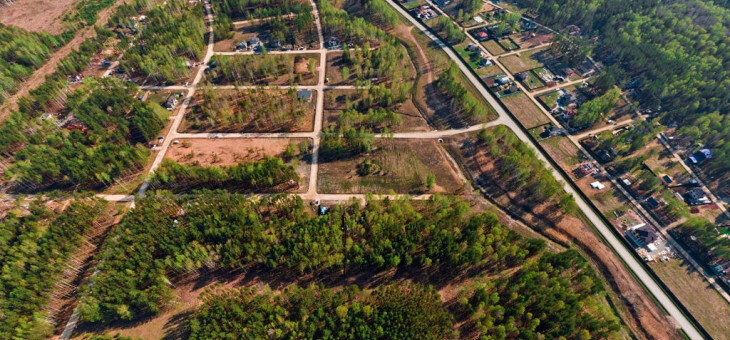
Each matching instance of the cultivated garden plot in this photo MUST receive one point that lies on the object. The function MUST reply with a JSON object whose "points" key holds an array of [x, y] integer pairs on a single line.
{"points": [[392, 166], [254, 110]]}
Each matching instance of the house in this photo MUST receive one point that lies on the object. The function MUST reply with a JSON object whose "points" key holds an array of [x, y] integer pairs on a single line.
{"points": [[585, 169], [720, 266], [643, 236], [522, 76], [502, 80], [425, 13], [478, 19], [304, 95], [667, 179], [528, 25], [652, 203], [484, 62], [332, 43], [472, 48], [696, 197], [481, 34], [489, 82], [253, 42], [170, 103], [700, 156], [606, 155], [597, 185], [242, 46]]}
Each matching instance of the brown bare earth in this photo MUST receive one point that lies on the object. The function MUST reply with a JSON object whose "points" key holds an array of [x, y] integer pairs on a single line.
{"points": [[39, 76], [230, 151], [36, 15], [640, 313]]}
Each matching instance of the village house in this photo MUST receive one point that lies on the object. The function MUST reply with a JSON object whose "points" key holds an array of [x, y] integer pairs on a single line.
{"points": [[584, 170], [696, 197], [700, 156], [643, 237]]}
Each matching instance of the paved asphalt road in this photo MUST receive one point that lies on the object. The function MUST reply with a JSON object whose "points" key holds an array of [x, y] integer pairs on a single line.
{"points": [[605, 230]]}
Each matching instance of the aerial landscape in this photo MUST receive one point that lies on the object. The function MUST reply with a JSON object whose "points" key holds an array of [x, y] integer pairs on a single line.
{"points": [[364, 169]]}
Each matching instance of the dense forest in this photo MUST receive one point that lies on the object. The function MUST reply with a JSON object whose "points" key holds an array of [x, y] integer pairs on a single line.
{"points": [[33, 251], [167, 43], [21, 53], [395, 311], [261, 176], [673, 54], [106, 121], [167, 236], [533, 295], [546, 299]]}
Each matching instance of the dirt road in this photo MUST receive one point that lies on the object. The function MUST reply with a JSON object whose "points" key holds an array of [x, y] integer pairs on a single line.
{"points": [[39, 76]]}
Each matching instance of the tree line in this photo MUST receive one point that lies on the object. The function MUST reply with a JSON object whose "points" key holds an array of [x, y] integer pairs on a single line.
{"points": [[167, 236], [259, 176]]}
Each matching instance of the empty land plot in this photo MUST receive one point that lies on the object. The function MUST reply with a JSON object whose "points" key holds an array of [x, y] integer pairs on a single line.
{"points": [[708, 307], [36, 15], [337, 101], [266, 69], [508, 44], [563, 151], [521, 62], [274, 33], [533, 38], [214, 110], [399, 166], [493, 47], [231, 151], [525, 110]]}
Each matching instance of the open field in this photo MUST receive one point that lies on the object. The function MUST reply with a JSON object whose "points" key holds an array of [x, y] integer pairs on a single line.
{"points": [[521, 62], [231, 151], [525, 110], [250, 111], [399, 166], [711, 310], [36, 15]]}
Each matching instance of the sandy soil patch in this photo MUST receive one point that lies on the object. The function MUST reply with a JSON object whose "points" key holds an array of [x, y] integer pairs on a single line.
{"points": [[36, 15], [231, 151]]}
